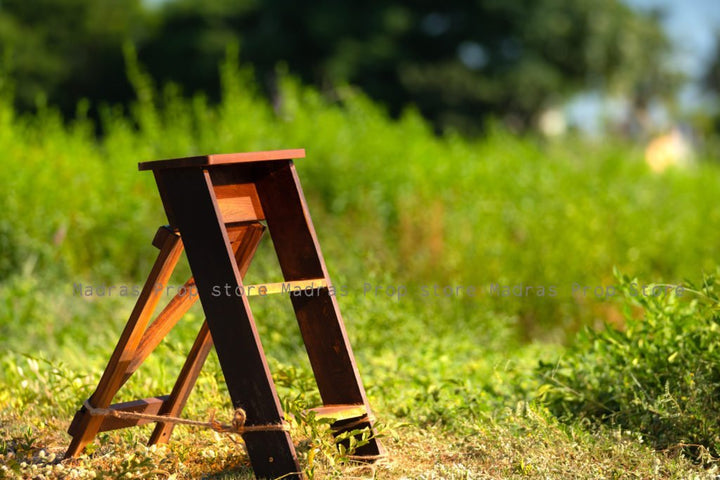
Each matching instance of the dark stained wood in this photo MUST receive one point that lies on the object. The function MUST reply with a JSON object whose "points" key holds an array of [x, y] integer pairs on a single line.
{"points": [[244, 239], [215, 202], [290, 225], [223, 159], [328, 349], [332, 359], [318, 315], [87, 426], [188, 192], [247, 240], [162, 236]]}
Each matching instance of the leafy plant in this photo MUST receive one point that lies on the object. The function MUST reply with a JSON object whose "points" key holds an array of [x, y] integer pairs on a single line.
{"points": [[658, 375]]}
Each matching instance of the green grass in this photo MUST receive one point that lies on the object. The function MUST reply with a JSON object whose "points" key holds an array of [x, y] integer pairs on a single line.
{"points": [[659, 375], [453, 380]]}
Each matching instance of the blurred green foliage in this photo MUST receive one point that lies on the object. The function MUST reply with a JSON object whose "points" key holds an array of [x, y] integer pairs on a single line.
{"points": [[433, 211], [658, 376], [711, 82], [63, 51], [458, 62]]}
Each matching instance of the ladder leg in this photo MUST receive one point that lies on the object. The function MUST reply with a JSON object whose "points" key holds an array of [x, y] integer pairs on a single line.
{"points": [[188, 194], [161, 326], [245, 248], [84, 426], [244, 239], [184, 385], [318, 315]]}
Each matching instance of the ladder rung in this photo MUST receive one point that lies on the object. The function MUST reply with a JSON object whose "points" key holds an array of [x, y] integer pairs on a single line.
{"points": [[149, 406], [263, 289], [340, 412]]}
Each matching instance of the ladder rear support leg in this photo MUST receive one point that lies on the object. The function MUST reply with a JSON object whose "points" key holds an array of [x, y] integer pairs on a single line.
{"points": [[318, 315], [85, 426]]}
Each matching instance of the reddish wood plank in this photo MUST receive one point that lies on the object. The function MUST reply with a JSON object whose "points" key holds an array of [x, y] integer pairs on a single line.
{"points": [[318, 315], [238, 202], [223, 159], [165, 321], [149, 406], [238, 209], [87, 426], [244, 239]]}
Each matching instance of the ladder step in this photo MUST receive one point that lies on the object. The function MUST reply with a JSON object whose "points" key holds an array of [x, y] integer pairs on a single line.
{"points": [[340, 412], [263, 289]]}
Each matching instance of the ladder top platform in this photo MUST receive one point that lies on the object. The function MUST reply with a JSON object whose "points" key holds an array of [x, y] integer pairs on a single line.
{"points": [[223, 159]]}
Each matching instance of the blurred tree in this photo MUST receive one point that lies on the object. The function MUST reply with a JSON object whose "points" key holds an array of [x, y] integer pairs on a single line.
{"points": [[458, 61], [65, 50], [191, 42], [711, 78], [711, 81]]}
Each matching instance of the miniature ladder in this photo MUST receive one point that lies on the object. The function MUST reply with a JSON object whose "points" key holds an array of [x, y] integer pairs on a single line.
{"points": [[215, 205]]}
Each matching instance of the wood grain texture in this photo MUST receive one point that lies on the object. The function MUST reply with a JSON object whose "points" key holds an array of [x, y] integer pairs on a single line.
{"points": [[318, 315], [238, 209], [246, 240], [150, 406], [87, 426], [188, 192], [161, 326], [238, 203], [215, 203], [223, 159]]}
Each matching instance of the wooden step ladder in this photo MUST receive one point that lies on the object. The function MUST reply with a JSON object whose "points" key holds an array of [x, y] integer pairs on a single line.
{"points": [[218, 207]]}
